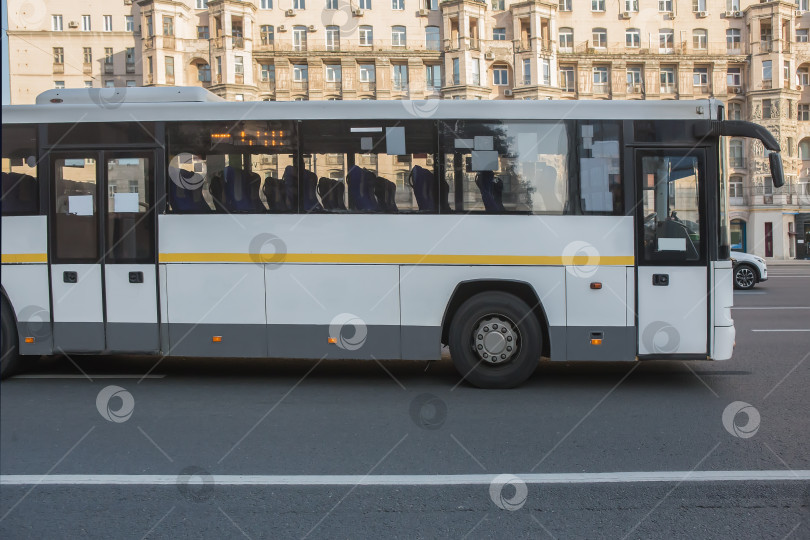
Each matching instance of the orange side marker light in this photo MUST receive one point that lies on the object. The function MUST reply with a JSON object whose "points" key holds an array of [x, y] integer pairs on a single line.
{"points": [[596, 342], [216, 339], [331, 340], [29, 340]]}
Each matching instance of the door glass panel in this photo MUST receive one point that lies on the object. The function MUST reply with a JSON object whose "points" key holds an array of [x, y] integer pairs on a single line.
{"points": [[671, 203], [130, 223], [76, 223]]}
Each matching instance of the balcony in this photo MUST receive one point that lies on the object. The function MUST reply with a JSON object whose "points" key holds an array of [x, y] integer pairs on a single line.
{"points": [[635, 88], [130, 67], [238, 42], [87, 67], [267, 86], [737, 162], [332, 86], [702, 89], [149, 42], [301, 86], [108, 68], [601, 88], [732, 90], [58, 68], [169, 42], [668, 89], [239, 78], [367, 86], [568, 89]]}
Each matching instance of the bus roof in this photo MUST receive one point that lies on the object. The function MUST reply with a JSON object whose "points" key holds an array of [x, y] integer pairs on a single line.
{"points": [[196, 104]]}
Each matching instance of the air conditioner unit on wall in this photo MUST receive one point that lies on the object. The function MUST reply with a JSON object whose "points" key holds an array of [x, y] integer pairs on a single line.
{"points": [[281, 28], [670, 16], [290, 13], [311, 28], [357, 12], [736, 90], [738, 14], [702, 14], [625, 15], [489, 55], [507, 92], [73, 24], [422, 13], [728, 14]]}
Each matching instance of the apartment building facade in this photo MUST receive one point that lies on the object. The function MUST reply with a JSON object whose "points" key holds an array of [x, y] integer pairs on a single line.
{"points": [[755, 57]]}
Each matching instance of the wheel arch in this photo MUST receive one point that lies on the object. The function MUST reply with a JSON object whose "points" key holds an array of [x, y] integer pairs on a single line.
{"points": [[465, 290]]}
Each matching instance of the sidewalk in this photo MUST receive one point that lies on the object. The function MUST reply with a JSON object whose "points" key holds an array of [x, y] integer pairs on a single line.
{"points": [[792, 262]]}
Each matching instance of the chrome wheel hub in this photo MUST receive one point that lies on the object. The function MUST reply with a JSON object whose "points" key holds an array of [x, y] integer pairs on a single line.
{"points": [[745, 277], [495, 339]]}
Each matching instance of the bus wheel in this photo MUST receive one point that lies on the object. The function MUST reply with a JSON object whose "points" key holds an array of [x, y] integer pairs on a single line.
{"points": [[9, 351], [495, 340]]}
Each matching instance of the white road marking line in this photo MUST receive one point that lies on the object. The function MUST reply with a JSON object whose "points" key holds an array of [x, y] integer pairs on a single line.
{"points": [[781, 330], [771, 307], [80, 376], [406, 479]]}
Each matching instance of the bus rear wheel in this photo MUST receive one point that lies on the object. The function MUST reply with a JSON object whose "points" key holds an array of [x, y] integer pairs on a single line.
{"points": [[9, 347], [495, 340]]}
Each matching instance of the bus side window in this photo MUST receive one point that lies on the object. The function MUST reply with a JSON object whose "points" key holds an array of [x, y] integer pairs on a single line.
{"points": [[498, 167], [370, 166], [232, 167], [20, 183], [600, 173]]}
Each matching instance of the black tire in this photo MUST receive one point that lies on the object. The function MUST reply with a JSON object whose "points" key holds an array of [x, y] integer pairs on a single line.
{"points": [[745, 277], [9, 348], [523, 325]]}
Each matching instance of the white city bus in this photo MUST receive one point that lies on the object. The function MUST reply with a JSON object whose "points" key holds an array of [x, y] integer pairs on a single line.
{"points": [[169, 222]]}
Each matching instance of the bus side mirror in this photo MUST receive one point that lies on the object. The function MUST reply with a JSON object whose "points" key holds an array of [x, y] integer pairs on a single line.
{"points": [[777, 170]]}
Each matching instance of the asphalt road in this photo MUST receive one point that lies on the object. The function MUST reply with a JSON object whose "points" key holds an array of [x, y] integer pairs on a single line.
{"points": [[224, 417]]}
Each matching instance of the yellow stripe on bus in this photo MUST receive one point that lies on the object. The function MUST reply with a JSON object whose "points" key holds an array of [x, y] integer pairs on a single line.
{"points": [[11, 258], [372, 258]]}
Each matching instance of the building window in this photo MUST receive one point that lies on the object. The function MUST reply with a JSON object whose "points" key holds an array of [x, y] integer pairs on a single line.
{"points": [[130, 55], [108, 23], [108, 83], [58, 55], [803, 5], [433, 5], [149, 66], [58, 84], [267, 34], [767, 109], [733, 39], [332, 38], [130, 84], [203, 32], [333, 73], [168, 26], [698, 5], [239, 65], [366, 35], [400, 77], [789, 144], [267, 72], [700, 39], [736, 153], [735, 187], [398, 4], [476, 72], [56, 23], [129, 23], [204, 73], [567, 79], [432, 40], [498, 5], [89, 84], [665, 6], [545, 68], [566, 38], [666, 40], [299, 4], [631, 6], [597, 5], [433, 77], [456, 76], [565, 5], [367, 73], [266, 4], [202, 4], [150, 30], [601, 84], [331, 4], [599, 38], [804, 150], [667, 80], [86, 27], [802, 35], [700, 79], [527, 71], [398, 36], [365, 4], [87, 53], [735, 111], [634, 80], [300, 73], [803, 76], [767, 71], [500, 76], [108, 56], [239, 97], [632, 37], [169, 68], [299, 38]]}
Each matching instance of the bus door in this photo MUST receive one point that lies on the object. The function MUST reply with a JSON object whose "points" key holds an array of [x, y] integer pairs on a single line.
{"points": [[672, 305], [103, 271]]}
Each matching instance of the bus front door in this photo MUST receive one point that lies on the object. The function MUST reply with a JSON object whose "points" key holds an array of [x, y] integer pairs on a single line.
{"points": [[671, 280], [103, 271]]}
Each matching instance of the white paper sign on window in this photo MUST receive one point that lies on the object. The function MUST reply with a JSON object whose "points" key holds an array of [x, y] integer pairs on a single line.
{"points": [[395, 141], [125, 202], [80, 205]]}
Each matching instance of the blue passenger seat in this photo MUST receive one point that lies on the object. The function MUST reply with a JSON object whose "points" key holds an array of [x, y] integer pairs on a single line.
{"points": [[273, 189], [187, 201], [422, 182], [290, 180], [309, 199], [361, 190], [386, 193], [331, 192], [491, 191]]}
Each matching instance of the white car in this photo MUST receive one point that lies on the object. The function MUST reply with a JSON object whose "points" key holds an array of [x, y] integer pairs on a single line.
{"points": [[748, 270]]}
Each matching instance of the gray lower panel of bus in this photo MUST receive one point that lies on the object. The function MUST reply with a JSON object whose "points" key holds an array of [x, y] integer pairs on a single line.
{"points": [[382, 342]]}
